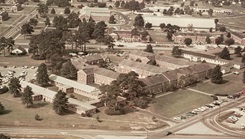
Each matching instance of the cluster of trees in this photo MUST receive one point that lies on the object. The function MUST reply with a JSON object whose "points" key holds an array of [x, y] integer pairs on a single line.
{"points": [[131, 5], [27, 28], [172, 11], [6, 43], [59, 3], [128, 86], [170, 29]]}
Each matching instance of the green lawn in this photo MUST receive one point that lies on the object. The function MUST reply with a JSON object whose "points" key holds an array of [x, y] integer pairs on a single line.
{"points": [[18, 115], [233, 84], [179, 102]]}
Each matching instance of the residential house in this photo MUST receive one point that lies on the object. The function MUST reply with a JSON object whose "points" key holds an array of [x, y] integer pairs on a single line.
{"points": [[142, 56], [98, 14], [44, 94], [171, 62], [142, 69], [78, 88]]}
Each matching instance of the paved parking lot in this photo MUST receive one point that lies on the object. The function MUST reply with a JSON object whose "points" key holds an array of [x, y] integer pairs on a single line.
{"points": [[30, 72]]}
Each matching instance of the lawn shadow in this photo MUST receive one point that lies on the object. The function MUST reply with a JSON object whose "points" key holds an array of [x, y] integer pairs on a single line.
{"points": [[39, 105], [7, 111], [225, 81]]}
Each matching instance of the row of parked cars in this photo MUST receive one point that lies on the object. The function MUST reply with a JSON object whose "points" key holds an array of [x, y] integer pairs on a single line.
{"points": [[200, 109]]}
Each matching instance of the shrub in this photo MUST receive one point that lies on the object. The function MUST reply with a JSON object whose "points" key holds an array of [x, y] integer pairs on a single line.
{"points": [[38, 57]]}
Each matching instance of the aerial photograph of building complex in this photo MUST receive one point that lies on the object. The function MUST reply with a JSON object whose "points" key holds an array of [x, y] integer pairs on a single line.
{"points": [[122, 69]]}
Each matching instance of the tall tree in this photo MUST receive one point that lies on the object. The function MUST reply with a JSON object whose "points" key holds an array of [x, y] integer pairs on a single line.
{"points": [[60, 23], [14, 87], [162, 26], [218, 40], [42, 9], [243, 79], [53, 11], [216, 75], [2, 109], [188, 41], [33, 22], [6, 43], [210, 12], [229, 41], [112, 19], [176, 51], [60, 103], [26, 29], [228, 35], [47, 21], [99, 30], [67, 10], [148, 25], [117, 4], [225, 54], [139, 21], [42, 74], [208, 40], [68, 70], [149, 49], [73, 20], [238, 50], [26, 97]]}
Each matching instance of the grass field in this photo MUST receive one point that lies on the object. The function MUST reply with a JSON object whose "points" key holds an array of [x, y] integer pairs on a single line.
{"points": [[11, 19], [18, 115], [179, 102], [19, 61], [233, 84]]}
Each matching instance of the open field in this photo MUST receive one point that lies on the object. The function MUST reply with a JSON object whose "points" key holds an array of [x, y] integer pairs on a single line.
{"points": [[18, 115], [13, 136], [233, 83], [11, 19], [19, 61], [179, 102]]}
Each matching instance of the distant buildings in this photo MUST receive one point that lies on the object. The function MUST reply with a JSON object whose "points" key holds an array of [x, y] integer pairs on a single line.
{"points": [[197, 37], [183, 22], [210, 58], [98, 14]]}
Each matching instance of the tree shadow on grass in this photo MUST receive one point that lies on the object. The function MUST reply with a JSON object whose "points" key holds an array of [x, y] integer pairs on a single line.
{"points": [[6, 112], [225, 81], [39, 105]]}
